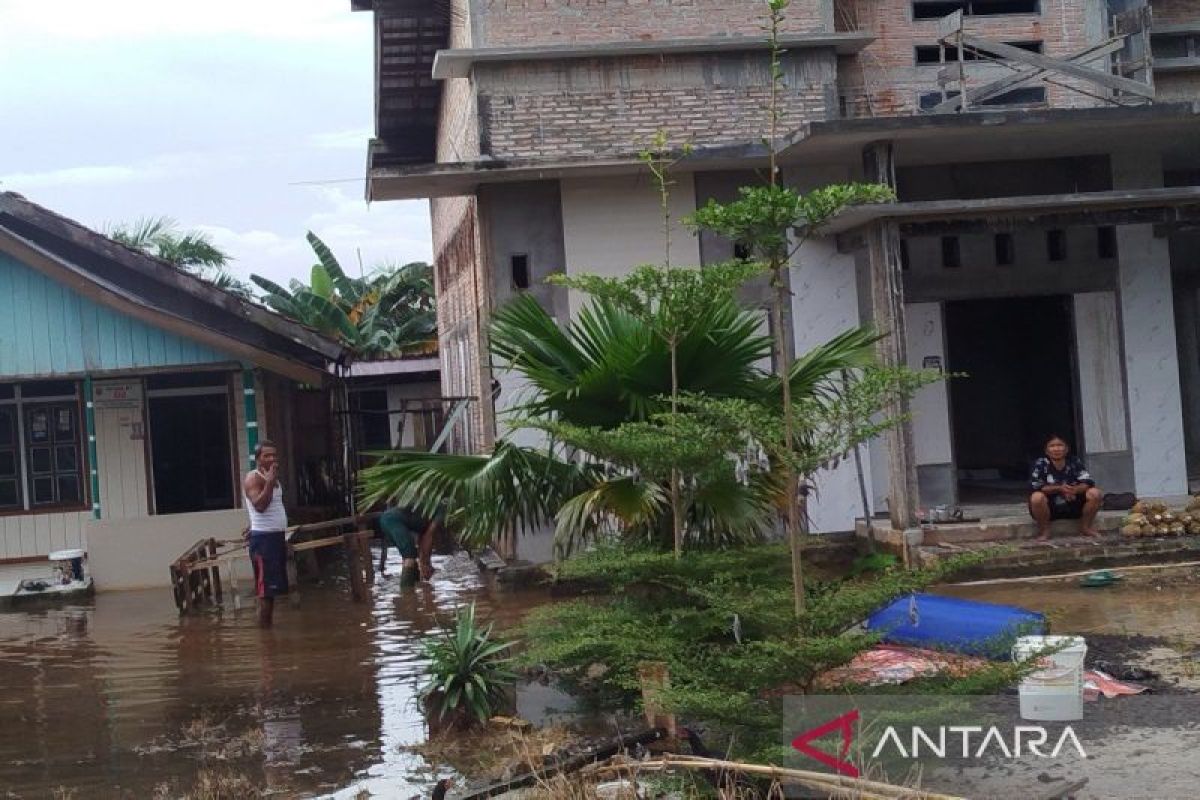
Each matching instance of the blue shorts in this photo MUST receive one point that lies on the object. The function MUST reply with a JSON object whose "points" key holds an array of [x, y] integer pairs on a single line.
{"points": [[268, 554]]}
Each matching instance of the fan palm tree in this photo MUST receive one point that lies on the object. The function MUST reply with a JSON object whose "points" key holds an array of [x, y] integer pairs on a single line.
{"points": [[189, 250], [606, 370]]}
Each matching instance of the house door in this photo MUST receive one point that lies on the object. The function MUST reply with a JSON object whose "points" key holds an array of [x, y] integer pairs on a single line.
{"points": [[1019, 358], [190, 451]]}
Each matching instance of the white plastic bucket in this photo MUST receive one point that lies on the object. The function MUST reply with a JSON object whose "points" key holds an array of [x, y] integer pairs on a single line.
{"points": [[1054, 693]]}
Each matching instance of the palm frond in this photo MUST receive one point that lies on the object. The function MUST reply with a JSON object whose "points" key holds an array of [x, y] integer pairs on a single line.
{"points": [[513, 488]]}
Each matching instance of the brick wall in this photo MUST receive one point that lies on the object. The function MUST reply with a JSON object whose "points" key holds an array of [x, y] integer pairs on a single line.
{"points": [[616, 105], [462, 305], [458, 123], [1175, 12], [886, 81], [517, 23]]}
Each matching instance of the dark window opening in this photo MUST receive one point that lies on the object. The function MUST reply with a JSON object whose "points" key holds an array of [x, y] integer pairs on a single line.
{"points": [[1031, 95], [904, 262], [372, 426], [1106, 241], [187, 380], [190, 453], [742, 252], [10, 459], [935, 9], [1175, 45], [48, 389], [930, 53], [519, 264], [951, 254], [1005, 253], [1056, 245]]}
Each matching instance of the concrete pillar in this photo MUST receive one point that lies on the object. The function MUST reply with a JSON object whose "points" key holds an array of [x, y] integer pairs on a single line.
{"points": [[825, 303], [937, 479], [1148, 330]]}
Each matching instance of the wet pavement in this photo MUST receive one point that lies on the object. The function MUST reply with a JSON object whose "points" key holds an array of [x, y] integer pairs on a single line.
{"points": [[120, 697]]}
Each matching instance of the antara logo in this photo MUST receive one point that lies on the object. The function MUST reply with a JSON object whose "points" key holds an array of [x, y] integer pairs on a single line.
{"points": [[973, 741], [1026, 740], [844, 724]]}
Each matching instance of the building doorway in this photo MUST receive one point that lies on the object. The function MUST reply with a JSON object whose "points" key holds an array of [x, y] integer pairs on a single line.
{"points": [[191, 456], [1019, 358]]}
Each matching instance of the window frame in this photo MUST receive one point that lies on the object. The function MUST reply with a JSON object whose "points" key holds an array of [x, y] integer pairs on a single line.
{"points": [[21, 407]]}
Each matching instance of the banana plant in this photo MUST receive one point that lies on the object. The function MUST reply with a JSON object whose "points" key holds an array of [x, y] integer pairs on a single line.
{"points": [[390, 313]]}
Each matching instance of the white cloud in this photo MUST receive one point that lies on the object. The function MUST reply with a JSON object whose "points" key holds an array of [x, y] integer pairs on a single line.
{"points": [[157, 168], [353, 139], [389, 232], [89, 20]]}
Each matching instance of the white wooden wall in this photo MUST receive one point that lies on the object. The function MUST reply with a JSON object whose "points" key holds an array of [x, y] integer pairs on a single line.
{"points": [[122, 460], [39, 534]]}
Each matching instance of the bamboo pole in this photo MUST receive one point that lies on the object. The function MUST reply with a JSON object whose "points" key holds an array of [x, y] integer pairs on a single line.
{"points": [[819, 780]]}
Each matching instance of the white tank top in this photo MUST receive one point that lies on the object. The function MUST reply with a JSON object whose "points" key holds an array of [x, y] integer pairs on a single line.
{"points": [[274, 518]]}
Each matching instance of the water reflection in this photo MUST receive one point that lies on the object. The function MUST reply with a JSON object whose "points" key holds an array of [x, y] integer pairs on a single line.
{"points": [[120, 696]]}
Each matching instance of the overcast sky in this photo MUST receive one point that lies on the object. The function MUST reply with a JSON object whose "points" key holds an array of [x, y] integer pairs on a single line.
{"points": [[248, 119]]}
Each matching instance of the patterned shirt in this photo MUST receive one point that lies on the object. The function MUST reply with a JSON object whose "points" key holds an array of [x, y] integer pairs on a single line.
{"points": [[1044, 473]]}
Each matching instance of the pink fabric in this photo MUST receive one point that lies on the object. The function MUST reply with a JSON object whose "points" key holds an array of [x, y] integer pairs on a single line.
{"points": [[1096, 683], [893, 663]]}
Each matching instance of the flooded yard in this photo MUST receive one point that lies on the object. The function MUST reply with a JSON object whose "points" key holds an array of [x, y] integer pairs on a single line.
{"points": [[1157, 602], [120, 697]]}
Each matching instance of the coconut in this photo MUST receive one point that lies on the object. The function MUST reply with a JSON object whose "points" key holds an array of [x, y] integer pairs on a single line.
{"points": [[1136, 519], [1131, 530], [1178, 529]]}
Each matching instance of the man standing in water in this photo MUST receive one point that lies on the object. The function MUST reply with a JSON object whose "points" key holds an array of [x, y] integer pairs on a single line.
{"points": [[412, 535], [268, 522]]}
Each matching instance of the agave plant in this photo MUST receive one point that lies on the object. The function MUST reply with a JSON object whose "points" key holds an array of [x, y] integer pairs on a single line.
{"points": [[468, 670]]}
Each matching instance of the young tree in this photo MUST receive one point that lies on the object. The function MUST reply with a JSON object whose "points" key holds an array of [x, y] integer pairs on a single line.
{"points": [[773, 222]]}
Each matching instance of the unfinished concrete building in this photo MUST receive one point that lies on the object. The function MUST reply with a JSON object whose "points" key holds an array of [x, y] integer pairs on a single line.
{"points": [[1045, 154]]}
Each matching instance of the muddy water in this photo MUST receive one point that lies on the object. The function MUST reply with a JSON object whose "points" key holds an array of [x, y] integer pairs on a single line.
{"points": [[1147, 602], [119, 697]]}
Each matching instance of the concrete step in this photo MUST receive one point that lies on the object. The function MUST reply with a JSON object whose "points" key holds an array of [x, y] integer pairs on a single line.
{"points": [[1067, 554], [995, 529]]}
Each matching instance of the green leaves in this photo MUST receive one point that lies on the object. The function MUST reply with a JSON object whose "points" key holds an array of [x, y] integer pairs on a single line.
{"points": [[764, 218], [468, 671], [513, 488], [390, 313]]}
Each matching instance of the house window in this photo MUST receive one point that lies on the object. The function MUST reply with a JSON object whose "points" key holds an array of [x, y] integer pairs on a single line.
{"points": [[41, 447], [936, 9], [951, 254], [519, 264], [1056, 245], [1005, 254], [1106, 241]]}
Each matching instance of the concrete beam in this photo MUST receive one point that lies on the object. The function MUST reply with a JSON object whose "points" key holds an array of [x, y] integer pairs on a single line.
{"points": [[458, 63]]}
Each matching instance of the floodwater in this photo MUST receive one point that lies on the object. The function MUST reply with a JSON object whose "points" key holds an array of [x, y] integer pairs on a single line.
{"points": [[1160, 602], [120, 697]]}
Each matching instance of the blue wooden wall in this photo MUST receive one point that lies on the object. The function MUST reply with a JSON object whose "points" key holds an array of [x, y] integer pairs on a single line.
{"points": [[47, 329]]}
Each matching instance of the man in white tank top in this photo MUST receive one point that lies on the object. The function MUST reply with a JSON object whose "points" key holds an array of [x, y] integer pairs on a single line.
{"points": [[268, 523]]}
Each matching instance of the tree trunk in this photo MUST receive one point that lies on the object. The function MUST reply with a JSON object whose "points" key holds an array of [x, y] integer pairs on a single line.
{"points": [[791, 481], [676, 504]]}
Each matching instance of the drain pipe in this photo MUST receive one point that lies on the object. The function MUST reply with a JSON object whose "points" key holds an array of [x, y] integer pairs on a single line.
{"points": [[1033, 578]]}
